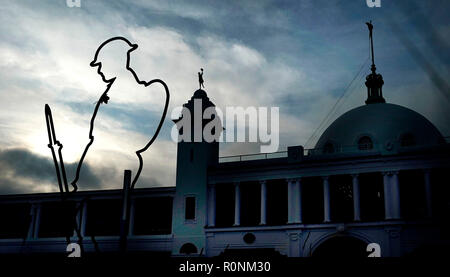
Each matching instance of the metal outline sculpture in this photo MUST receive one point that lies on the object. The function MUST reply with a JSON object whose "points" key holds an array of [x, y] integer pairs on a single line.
{"points": [[54, 143], [104, 99]]}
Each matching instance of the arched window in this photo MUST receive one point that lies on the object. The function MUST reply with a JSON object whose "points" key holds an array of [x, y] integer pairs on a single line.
{"points": [[188, 248], [365, 143], [328, 148], [407, 140]]}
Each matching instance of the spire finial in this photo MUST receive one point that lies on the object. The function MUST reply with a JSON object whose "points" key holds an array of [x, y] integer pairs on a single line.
{"points": [[370, 26], [374, 81]]}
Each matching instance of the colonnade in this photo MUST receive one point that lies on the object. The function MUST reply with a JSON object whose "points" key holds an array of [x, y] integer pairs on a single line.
{"points": [[391, 188]]}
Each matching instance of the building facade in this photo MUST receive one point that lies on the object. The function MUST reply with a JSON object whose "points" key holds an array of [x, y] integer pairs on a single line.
{"points": [[378, 174]]}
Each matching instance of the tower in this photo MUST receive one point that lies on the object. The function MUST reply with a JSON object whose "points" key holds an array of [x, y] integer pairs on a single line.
{"points": [[195, 153]]}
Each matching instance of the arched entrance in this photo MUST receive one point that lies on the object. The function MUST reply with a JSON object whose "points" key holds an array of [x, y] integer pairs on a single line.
{"points": [[341, 247], [188, 248]]}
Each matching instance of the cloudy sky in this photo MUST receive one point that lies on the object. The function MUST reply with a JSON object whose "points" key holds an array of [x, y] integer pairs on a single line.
{"points": [[300, 56]]}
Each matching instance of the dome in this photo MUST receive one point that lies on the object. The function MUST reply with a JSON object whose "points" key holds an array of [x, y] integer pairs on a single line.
{"points": [[378, 127], [200, 94]]}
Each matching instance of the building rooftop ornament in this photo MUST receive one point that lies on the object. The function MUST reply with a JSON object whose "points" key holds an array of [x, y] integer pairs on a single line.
{"points": [[200, 79], [374, 81]]}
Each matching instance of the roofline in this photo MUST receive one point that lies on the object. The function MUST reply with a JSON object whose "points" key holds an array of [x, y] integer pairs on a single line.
{"points": [[104, 192]]}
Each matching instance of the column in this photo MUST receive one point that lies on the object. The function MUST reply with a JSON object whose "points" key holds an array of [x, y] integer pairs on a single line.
{"points": [[428, 193], [297, 199], [131, 215], [84, 219], [78, 218], [356, 199], [290, 197], [326, 200], [237, 204], [125, 219], [212, 205], [33, 214], [391, 195], [387, 195], [37, 221], [395, 191], [263, 218]]}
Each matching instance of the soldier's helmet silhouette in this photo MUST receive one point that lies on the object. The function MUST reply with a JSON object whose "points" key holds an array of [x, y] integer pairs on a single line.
{"points": [[115, 48]]}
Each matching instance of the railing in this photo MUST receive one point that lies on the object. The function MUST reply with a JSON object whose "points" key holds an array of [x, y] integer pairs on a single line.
{"points": [[253, 157], [284, 154], [306, 152], [355, 148]]}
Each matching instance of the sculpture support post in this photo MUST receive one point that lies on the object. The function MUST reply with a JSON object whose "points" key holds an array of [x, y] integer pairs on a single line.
{"points": [[124, 220]]}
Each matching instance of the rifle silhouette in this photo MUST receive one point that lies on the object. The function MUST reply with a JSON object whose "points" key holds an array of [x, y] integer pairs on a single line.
{"points": [[57, 158], [56, 148]]}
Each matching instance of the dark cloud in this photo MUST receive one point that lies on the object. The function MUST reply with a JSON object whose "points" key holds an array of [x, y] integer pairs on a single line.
{"points": [[22, 163], [22, 171], [12, 185]]}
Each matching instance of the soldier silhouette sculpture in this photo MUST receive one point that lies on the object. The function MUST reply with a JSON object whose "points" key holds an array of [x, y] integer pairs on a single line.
{"points": [[104, 98], [56, 146]]}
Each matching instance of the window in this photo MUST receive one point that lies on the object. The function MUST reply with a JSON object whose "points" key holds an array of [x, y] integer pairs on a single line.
{"points": [[328, 148], [277, 206], [152, 216], [407, 140], [341, 198], [412, 194], [15, 220], [371, 191], [250, 205], [224, 205], [365, 143], [57, 219], [312, 200], [103, 217], [189, 208]]}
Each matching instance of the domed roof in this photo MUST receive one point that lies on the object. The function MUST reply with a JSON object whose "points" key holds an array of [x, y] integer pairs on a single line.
{"points": [[378, 127], [200, 94]]}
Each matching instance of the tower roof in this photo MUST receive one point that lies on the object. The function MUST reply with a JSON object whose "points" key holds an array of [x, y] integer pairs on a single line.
{"points": [[200, 94]]}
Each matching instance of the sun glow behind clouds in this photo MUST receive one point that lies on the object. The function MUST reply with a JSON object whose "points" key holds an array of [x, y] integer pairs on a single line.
{"points": [[296, 63]]}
